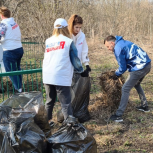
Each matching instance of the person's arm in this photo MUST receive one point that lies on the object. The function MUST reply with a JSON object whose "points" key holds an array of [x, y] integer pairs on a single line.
{"points": [[84, 56], [3, 29], [74, 59], [121, 62]]}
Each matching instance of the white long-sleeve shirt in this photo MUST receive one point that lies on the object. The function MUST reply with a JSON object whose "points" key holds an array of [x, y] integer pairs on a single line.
{"points": [[12, 38], [82, 47]]}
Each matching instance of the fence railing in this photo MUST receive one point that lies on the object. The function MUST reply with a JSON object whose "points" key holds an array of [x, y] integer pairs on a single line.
{"points": [[33, 50], [31, 81]]}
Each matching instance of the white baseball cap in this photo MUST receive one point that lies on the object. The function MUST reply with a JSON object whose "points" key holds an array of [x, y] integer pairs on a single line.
{"points": [[61, 22]]}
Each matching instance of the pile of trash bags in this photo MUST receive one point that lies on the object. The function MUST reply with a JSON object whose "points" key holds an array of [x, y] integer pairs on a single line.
{"points": [[24, 128], [80, 99]]}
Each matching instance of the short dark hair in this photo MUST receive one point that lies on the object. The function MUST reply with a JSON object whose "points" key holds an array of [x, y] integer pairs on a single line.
{"points": [[5, 12], [109, 38]]}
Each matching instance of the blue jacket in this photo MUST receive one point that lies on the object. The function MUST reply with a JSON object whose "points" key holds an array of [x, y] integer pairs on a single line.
{"points": [[129, 56], [75, 59]]}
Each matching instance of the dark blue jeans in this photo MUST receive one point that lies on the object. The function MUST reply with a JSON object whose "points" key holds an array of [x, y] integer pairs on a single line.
{"points": [[12, 60]]}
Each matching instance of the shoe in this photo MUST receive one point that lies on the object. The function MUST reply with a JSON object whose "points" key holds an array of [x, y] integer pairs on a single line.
{"points": [[143, 108], [116, 118], [19, 90]]}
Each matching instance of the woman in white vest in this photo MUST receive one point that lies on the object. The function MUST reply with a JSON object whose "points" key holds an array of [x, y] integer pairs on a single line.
{"points": [[75, 23], [60, 60], [10, 39]]}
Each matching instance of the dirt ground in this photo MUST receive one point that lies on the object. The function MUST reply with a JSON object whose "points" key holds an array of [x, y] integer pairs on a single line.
{"points": [[135, 133]]}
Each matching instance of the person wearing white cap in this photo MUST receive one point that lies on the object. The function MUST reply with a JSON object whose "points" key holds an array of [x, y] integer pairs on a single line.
{"points": [[60, 60]]}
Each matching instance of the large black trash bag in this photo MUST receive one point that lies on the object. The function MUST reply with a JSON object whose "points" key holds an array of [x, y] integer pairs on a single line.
{"points": [[4, 144], [81, 100], [31, 138], [72, 139], [4, 114], [18, 116], [5, 126], [31, 102], [81, 88]]}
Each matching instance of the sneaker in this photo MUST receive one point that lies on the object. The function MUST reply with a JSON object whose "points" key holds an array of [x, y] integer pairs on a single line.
{"points": [[116, 118], [143, 108], [19, 90]]}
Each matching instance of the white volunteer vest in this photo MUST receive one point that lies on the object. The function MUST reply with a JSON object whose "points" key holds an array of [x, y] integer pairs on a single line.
{"points": [[12, 38], [57, 67]]}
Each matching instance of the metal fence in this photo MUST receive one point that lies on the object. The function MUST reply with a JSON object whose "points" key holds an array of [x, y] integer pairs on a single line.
{"points": [[31, 80], [33, 50]]}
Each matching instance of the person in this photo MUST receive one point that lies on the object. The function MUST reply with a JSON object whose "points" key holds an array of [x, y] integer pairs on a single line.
{"points": [[10, 39], [134, 59], [75, 23], [60, 58]]}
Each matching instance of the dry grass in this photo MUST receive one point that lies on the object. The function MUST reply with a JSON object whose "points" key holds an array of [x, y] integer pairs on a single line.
{"points": [[108, 99]]}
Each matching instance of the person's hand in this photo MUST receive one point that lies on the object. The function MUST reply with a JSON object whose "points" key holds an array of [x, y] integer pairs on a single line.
{"points": [[88, 68], [114, 76], [85, 73]]}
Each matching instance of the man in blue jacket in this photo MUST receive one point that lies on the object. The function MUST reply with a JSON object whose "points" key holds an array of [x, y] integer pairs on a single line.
{"points": [[132, 58]]}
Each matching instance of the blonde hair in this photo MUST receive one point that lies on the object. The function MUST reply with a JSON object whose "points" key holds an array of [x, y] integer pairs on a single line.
{"points": [[5, 12], [64, 31], [74, 20]]}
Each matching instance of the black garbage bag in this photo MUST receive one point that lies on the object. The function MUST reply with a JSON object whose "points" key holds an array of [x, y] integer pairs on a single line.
{"points": [[31, 138], [18, 116], [5, 126], [81, 100], [72, 139], [81, 88], [4, 114], [5, 146], [30, 102]]}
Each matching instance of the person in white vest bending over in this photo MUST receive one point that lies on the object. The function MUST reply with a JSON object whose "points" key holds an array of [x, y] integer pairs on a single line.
{"points": [[75, 23], [60, 60], [10, 39]]}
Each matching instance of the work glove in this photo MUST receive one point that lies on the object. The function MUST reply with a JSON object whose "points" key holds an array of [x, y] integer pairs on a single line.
{"points": [[85, 73], [88, 68], [114, 76]]}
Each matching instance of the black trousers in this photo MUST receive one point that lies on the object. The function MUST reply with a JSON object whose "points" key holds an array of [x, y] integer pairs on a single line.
{"points": [[64, 95]]}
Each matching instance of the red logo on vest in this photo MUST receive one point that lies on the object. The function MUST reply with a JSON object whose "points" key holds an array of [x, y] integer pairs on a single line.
{"points": [[60, 46]]}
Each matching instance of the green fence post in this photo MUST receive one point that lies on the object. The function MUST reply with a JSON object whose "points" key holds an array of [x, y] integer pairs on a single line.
{"points": [[31, 76], [36, 77], [12, 78], [27, 78], [2, 87], [41, 81], [7, 88]]}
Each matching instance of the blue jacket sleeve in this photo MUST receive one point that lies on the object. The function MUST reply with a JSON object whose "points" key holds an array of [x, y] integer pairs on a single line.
{"points": [[3, 29], [121, 59], [74, 59]]}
